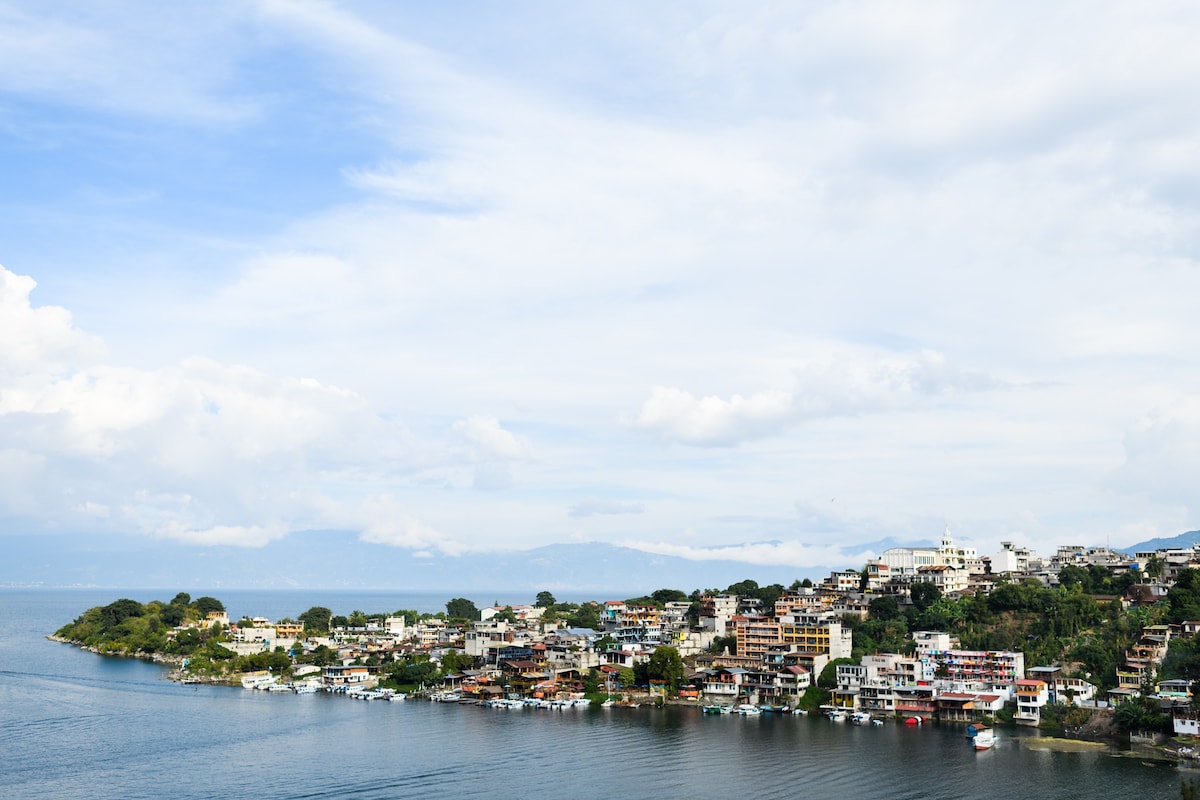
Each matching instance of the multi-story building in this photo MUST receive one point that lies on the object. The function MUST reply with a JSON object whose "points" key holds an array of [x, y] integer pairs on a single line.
{"points": [[945, 577], [993, 669], [289, 631], [1061, 689], [1032, 694], [816, 633], [756, 635], [716, 612], [1012, 559], [902, 561]]}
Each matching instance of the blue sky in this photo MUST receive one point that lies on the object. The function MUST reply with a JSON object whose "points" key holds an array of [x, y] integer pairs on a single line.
{"points": [[757, 282]]}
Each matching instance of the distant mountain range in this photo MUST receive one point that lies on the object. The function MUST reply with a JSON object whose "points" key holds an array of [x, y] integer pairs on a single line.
{"points": [[339, 560], [1182, 540]]}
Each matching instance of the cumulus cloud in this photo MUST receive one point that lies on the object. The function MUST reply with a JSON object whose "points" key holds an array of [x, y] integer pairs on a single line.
{"points": [[593, 506], [839, 387], [38, 340], [493, 449], [489, 440], [198, 452], [840, 236], [678, 415], [383, 521], [1162, 459]]}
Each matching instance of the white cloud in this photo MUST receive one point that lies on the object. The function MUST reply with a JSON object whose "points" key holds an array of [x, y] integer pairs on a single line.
{"points": [[198, 452], [383, 521], [840, 386], [1162, 458], [791, 554], [493, 449], [488, 440], [898, 268], [37, 340], [596, 506], [677, 415], [145, 61]]}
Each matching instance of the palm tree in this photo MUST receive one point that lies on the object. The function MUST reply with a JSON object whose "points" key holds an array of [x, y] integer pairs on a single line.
{"points": [[1155, 567]]}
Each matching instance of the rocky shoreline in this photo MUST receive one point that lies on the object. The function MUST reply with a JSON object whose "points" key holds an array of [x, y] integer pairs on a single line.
{"points": [[157, 658]]}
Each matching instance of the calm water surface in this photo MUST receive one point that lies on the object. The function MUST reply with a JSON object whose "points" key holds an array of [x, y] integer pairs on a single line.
{"points": [[76, 725]]}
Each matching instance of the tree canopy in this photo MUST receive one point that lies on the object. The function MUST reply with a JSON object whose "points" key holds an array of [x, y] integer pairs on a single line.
{"points": [[665, 665], [316, 619], [462, 608], [207, 604]]}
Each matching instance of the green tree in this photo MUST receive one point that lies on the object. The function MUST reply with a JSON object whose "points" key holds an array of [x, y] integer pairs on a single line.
{"points": [[1070, 575], [410, 615], [828, 677], [665, 665], [1155, 567], [506, 614], [721, 643], [118, 611], [923, 594], [454, 661], [668, 596], [1183, 599], [746, 588], [207, 604], [544, 600], [885, 607], [462, 608], [173, 614], [586, 616], [316, 619], [181, 599]]}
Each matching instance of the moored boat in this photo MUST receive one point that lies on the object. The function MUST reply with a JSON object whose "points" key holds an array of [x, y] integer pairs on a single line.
{"points": [[984, 737]]}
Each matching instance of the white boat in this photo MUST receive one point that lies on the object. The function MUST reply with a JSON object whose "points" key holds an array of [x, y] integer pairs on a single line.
{"points": [[984, 738], [860, 718], [837, 715], [748, 709]]}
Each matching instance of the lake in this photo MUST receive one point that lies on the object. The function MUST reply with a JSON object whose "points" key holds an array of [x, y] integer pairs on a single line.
{"points": [[75, 725]]}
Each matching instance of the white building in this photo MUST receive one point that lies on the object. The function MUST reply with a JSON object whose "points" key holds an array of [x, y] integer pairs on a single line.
{"points": [[904, 561], [1014, 559]]}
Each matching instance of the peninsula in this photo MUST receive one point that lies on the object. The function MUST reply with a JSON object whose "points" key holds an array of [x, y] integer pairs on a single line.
{"points": [[1090, 644]]}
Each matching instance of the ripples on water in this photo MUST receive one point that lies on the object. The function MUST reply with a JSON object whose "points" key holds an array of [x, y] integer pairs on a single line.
{"points": [[75, 725]]}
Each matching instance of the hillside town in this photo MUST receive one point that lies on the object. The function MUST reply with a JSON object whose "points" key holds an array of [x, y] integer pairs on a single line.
{"points": [[783, 649]]}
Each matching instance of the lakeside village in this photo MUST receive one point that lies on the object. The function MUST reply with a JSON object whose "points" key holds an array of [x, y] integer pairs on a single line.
{"points": [[1089, 643]]}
